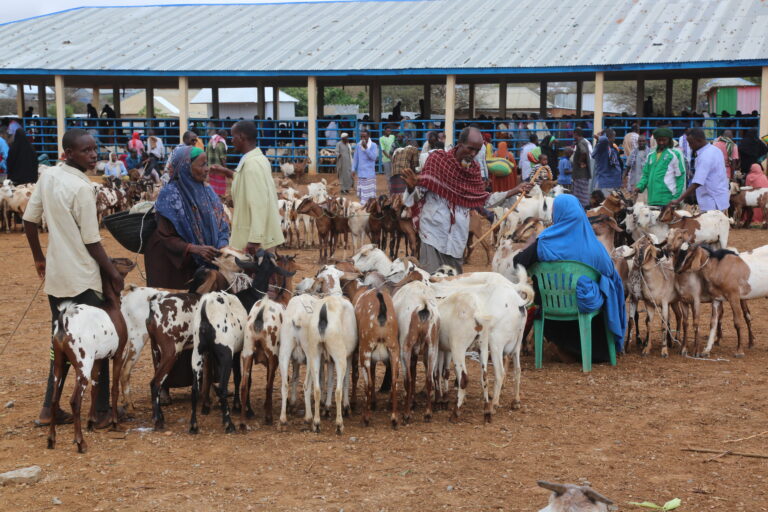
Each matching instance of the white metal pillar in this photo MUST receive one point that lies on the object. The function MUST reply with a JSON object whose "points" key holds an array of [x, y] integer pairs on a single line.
{"points": [[764, 103], [599, 82], [42, 100], [450, 108], [183, 106], [20, 100], [312, 123], [275, 102], [61, 126]]}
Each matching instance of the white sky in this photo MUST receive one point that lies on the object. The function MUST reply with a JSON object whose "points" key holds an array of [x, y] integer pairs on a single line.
{"points": [[11, 10]]}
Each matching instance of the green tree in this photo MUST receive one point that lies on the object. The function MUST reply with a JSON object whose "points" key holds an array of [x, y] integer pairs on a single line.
{"points": [[332, 96]]}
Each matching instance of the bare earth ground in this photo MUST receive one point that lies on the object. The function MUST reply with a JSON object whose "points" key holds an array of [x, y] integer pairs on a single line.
{"points": [[620, 428]]}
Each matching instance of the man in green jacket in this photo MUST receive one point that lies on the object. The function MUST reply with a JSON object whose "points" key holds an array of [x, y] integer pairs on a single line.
{"points": [[664, 171]]}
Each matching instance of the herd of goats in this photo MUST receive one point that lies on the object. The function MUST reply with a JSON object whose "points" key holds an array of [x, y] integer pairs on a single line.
{"points": [[376, 307]]}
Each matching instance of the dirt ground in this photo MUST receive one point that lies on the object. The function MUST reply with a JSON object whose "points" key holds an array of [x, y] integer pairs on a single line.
{"points": [[622, 429]]}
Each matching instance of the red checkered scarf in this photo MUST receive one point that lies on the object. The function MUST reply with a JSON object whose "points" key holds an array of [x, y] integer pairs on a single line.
{"points": [[444, 175]]}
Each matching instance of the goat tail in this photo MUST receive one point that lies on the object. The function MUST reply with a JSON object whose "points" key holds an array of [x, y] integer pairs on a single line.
{"points": [[322, 323], [522, 287], [382, 318], [206, 332], [64, 305], [258, 322], [424, 313]]}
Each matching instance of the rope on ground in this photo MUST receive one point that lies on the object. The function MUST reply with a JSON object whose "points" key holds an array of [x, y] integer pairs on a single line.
{"points": [[8, 342]]}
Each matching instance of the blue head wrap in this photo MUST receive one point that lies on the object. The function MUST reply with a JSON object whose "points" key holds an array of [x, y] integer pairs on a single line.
{"points": [[571, 237], [193, 208]]}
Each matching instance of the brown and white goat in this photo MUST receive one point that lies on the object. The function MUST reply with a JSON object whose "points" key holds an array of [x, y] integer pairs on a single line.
{"points": [[323, 222]]}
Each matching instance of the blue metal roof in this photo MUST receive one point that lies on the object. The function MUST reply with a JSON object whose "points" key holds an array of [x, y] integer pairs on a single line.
{"points": [[390, 37]]}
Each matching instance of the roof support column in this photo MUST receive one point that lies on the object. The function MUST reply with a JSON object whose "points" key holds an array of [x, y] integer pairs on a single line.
{"points": [[450, 108], [472, 110], [579, 98], [262, 102], [275, 102], [543, 100], [503, 99], [374, 100], [20, 100], [312, 123], [668, 98], [426, 112], [149, 110], [42, 101], [183, 107], [599, 82], [61, 126], [116, 101], [694, 94], [764, 103], [640, 100], [215, 107], [96, 99]]}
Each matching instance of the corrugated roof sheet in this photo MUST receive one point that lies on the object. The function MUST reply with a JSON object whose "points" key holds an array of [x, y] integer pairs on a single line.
{"points": [[241, 95], [389, 37]]}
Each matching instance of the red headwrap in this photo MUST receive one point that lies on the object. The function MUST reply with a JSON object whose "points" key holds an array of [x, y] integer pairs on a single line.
{"points": [[444, 175]]}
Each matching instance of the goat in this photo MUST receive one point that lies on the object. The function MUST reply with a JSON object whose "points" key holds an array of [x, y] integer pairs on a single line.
{"points": [[478, 225], [744, 200], [377, 335], [710, 227], [605, 228], [323, 222], [84, 336], [218, 330], [15, 201], [573, 498], [375, 221], [358, 222]]}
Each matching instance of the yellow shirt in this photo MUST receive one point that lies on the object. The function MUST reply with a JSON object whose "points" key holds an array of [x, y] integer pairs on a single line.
{"points": [[256, 218], [69, 201]]}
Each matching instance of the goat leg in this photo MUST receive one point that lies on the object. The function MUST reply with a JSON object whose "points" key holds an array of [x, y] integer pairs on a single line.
{"points": [[271, 370], [245, 386], [58, 374]]}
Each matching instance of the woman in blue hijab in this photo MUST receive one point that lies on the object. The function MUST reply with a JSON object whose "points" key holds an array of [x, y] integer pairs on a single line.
{"points": [[191, 224], [570, 237]]}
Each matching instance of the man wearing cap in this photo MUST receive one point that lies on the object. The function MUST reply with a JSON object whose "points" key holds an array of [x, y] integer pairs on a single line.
{"points": [[344, 164], [664, 171]]}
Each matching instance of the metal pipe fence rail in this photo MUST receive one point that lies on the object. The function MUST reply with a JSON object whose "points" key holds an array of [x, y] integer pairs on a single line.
{"points": [[287, 140]]}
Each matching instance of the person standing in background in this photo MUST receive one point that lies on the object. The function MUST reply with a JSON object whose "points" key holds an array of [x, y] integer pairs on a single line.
{"points": [[565, 169], [664, 170], [3, 150], [730, 152], [636, 161], [525, 162], [22, 160], [364, 165], [608, 168], [216, 152], [387, 141], [581, 167], [710, 181], [344, 164]]}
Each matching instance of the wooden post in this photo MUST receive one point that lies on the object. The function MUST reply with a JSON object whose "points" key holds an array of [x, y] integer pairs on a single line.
{"points": [[668, 98], [599, 82], [764, 102], [640, 100], [472, 110], [149, 110], [20, 100], [183, 106], [320, 102], [543, 100], [427, 113], [312, 123], [61, 125], [694, 94], [215, 107], [262, 102], [503, 100], [42, 100], [375, 102], [96, 99], [116, 101], [579, 98], [450, 108], [275, 102]]}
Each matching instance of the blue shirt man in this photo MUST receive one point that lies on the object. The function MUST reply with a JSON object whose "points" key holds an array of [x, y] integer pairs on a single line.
{"points": [[565, 169], [3, 154]]}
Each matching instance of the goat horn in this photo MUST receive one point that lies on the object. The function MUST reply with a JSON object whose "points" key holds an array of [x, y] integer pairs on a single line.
{"points": [[595, 496], [556, 488]]}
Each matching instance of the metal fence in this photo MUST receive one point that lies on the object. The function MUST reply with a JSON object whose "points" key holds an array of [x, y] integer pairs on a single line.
{"points": [[287, 140]]}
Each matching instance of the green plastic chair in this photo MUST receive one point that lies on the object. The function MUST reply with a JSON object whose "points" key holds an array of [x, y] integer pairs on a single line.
{"points": [[557, 287]]}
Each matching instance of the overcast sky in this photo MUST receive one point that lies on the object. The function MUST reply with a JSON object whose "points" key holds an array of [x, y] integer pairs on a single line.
{"points": [[11, 10]]}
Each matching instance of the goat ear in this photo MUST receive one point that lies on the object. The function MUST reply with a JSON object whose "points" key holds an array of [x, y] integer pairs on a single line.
{"points": [[612, 223], [697, 261], [595, 497], [648, 253], [246, 265], [207, 285], [558, 489], [351, 276]]}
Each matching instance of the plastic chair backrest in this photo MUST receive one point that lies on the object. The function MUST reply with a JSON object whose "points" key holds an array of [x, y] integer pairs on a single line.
{"points": [[557, 286]]}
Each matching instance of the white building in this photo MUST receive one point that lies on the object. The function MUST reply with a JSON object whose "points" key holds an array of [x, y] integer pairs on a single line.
{"points": [[244, 102]]}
